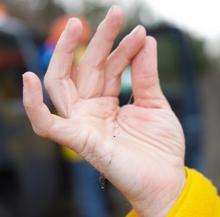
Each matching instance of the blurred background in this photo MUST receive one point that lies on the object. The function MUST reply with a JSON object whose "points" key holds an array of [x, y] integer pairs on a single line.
{"points": [[40, 179]]}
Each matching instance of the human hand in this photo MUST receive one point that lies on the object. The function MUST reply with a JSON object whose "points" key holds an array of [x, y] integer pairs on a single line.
{"points": [[138, 147]]}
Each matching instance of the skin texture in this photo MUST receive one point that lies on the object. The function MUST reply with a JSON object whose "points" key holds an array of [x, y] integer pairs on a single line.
{"points": [[138, 147]]}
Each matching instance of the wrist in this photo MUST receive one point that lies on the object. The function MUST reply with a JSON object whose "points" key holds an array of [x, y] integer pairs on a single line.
{"points": [[159, 203]]}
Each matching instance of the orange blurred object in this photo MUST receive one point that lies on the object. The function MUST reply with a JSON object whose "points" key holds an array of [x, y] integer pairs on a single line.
{"points": [[3, 9], [59, 25]]}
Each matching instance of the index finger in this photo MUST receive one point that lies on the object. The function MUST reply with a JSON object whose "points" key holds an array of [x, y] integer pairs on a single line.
{"points": [[58, 82]]}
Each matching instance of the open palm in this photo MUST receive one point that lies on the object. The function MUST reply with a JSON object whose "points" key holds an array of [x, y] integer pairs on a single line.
{"points": [[138, 147]]}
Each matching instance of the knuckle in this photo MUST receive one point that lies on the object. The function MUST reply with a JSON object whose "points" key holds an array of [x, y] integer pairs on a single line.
{"points": [[123, 50], [28, 107], [40, 132]]}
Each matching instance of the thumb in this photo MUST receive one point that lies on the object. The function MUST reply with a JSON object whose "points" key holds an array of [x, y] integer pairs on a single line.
{"points": [[145, 81]]}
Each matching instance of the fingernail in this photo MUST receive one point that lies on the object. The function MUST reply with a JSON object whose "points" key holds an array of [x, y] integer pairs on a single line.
{"points": [[69, 23], [136, 29], [25, 80], [110, 10], [74, 24], [113, 7]]}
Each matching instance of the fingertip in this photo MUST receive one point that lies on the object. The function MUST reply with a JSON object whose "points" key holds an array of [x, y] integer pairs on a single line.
{"points": [[151, 39], [25, 77], [142, 30], [74, 24], [28, 79], [116, 15], [139, 29], [144, 65], [31, 84], [139, 33], [149, 49], [115, 10], [70, 37], [27, 74], [151, 42]]}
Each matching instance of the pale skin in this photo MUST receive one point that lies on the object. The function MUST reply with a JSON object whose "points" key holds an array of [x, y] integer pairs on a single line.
{"points": [[138, 147]]}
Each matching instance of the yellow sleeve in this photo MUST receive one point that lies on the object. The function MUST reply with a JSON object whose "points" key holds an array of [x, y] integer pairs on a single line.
{"points": [[70, 155], [198, 199]]}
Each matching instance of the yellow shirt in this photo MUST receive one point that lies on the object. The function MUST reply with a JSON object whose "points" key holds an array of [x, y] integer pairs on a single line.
{"points": [[198, 199]]}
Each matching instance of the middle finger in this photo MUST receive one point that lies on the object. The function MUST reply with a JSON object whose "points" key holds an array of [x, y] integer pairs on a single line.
{"points": [[90, 78]]}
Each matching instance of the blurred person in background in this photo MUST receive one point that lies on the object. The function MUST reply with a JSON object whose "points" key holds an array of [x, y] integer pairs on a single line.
{"points": [[88, 198], [18, 51], [24, 171]]}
